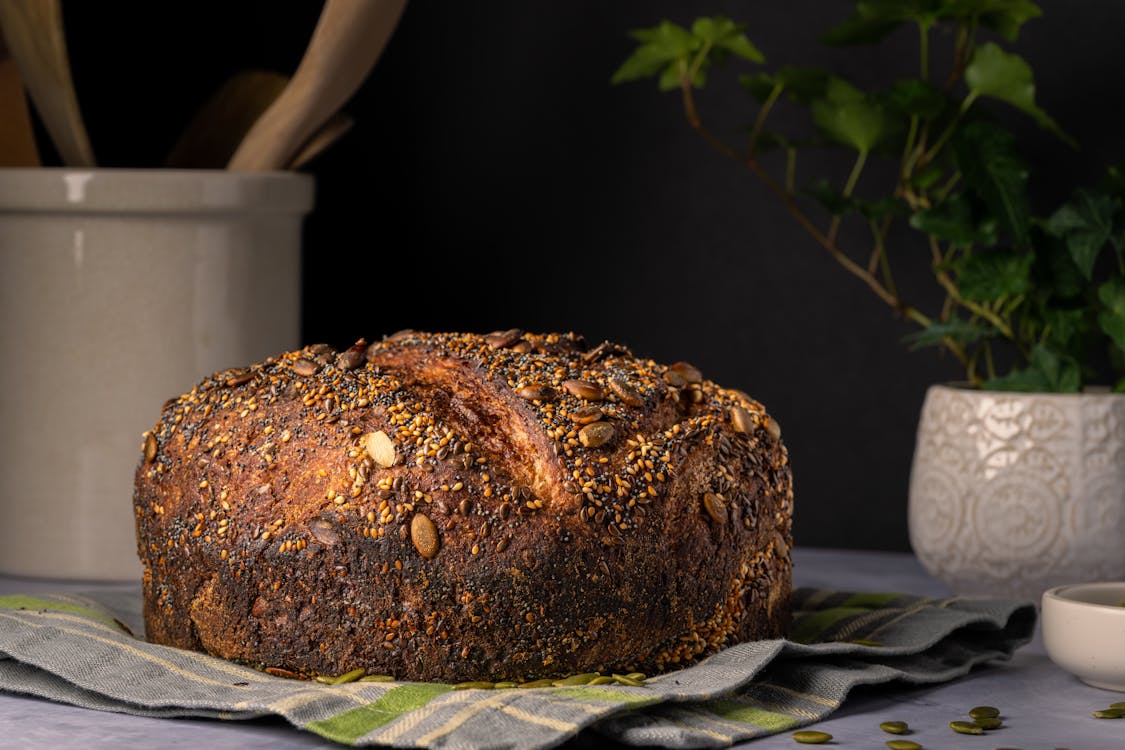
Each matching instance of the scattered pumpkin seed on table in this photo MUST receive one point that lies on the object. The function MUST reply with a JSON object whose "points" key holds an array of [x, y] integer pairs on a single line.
{"points": [[1109, 713], [903, 745], [964, 727], [808, 737], [895, 727], [989, 722], [984, 712]]}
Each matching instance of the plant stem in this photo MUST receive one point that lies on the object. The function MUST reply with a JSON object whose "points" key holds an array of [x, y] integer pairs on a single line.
{"points": [[790, 169], [989, 366], [951, 289], [849, 186], [760, 120], [911, 134], [884, 263], [932, 153]]}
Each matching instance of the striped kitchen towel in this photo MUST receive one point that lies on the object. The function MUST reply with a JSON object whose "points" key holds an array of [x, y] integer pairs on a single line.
{"points": [[79, 650]]}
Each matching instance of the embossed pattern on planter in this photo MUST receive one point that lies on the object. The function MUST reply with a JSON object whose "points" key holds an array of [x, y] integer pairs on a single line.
{"points": [[1011, 493]]}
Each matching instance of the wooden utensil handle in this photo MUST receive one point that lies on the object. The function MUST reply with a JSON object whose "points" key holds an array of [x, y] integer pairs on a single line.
{"points": [[348, 39]]}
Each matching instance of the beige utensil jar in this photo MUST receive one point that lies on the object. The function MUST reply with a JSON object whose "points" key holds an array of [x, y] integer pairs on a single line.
{"points": [[120, 289]]}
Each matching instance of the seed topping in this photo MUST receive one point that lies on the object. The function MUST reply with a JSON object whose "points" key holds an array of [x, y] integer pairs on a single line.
{"points": [[424, 535], [380, 448], [595, 434]]}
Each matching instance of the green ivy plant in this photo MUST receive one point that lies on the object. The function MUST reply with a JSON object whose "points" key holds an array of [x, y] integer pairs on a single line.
{"points": [[1031, 302]]}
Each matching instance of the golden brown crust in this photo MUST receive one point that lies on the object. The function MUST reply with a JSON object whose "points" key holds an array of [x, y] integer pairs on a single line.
{"points": [[456, 507]]}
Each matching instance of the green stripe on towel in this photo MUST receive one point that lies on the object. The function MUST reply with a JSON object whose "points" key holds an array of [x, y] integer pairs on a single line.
{"points": [[349, 726]]}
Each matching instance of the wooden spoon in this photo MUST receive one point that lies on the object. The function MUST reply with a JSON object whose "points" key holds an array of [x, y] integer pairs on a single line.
{"points": [[348, 39], [17, 137], [33, 30], [213, 135], [328, 134]]}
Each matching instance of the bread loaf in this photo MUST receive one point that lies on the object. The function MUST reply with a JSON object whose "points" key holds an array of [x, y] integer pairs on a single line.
{"points": [[462, 507]]}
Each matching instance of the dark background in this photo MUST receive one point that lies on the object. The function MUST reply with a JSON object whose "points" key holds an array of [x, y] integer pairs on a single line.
{"points": [[495, 179]]}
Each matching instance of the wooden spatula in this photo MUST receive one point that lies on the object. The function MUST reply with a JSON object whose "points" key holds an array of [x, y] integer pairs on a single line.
{"points": [[33, 30], [17, 137], [348, 39]]}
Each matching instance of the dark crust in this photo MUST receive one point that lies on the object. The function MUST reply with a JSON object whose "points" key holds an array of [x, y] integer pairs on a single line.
{"points": [[269, 535]]}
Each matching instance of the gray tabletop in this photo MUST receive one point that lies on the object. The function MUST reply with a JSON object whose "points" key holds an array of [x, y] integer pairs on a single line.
{"points": [[1043, 707]]}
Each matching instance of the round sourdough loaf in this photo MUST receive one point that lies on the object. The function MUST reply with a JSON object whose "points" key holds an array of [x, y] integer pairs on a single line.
{"points": [[463, 507]]}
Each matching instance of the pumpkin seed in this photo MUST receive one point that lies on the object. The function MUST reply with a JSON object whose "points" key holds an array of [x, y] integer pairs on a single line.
{"points": [[807, 737], [424, 535], [773, 428], [150, 447], [964, 727], [538, 683], [989, 722], [537, 393], [741, 420], [895, 727], [474, 685], [505, 684], [623, 391], [627, 680], [903, 745], [584, 389], [636, 675], [688, 372], [377, 678], [1119, 704], [381, 448], [305, 367], [351, 359], [503, 339], [1109, 713], [715, 506], [602, 680], [984, 712], [586, 415], [576, 679], [351, 676], [595, 434]]}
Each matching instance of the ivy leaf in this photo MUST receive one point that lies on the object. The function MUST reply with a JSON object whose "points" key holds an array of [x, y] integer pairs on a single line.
{"points": [[1067, 326], [992, 274], [1085, 224], [1112, 318], [758, 85], [802, 84], [1046, 372], [847, 115], [955, 329], [913, 96], [722, 33], [987, 157], [1002, 16], [928, 176], [1056, 271], [663, 48], [881, 208], [875, 19], [833, 200], [953, 220], [1007, 76]]}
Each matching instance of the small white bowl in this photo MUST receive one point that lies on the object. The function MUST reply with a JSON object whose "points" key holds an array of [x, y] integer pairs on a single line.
{"points": [[1084, 631]]}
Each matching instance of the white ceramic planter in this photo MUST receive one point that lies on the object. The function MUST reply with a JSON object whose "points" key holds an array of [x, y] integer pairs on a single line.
{"points": [[118, 290], [1013, 493]]}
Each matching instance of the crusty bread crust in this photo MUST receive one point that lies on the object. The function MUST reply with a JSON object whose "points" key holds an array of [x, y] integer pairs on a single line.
{"points": [[462, 507]]}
